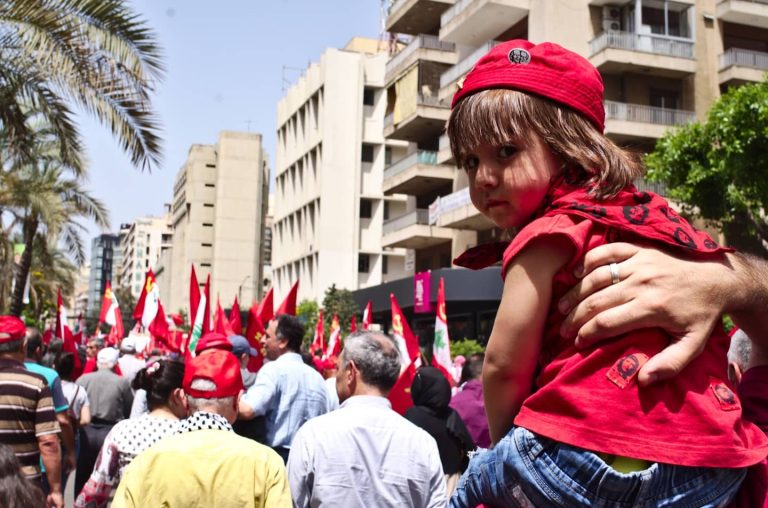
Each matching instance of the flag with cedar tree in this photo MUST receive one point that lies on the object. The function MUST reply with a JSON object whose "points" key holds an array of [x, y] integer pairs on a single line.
{"points": [[441, 348], [334, 339]]}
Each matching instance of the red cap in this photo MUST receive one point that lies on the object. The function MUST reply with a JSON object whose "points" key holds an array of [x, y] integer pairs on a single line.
{"points": [[220, 367], [545, 69], [213, 340], [11, 328]]}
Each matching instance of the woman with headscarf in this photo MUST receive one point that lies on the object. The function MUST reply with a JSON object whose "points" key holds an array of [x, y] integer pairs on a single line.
{"points": [[431, 394]]}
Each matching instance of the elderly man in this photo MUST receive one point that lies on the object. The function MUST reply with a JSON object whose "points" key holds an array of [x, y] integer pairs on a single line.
{"points": [[287, 391], [129, 363], [364, 454], [111, 397], [30, 426], [206, 463]]}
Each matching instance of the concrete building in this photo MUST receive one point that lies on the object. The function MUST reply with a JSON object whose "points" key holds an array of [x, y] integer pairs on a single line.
{"points": [[141, 247], [106, 257], [663, 63], [329, 162], [218, 212], [79, 301]]}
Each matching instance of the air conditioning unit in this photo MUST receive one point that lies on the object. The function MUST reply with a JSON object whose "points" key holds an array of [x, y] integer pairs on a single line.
{"points": [[611, 18]]}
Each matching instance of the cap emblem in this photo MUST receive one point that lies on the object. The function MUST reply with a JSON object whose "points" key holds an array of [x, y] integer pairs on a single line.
{"points": [[519, 56]]}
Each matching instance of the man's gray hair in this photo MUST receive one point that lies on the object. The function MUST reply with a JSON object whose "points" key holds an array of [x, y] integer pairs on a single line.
{"points": [[13, 346], [740, 349], [215, 405], [376, 356]]}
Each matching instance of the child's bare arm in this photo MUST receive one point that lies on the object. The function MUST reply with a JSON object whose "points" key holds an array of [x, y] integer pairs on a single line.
{"points": [[515, 343]]}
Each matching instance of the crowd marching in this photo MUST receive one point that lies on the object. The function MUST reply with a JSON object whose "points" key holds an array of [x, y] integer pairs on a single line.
{"points": [[605, 381]]}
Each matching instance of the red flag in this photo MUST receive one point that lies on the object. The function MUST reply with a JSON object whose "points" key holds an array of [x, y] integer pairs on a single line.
{"points": [[334, 341], [318, 343], [266, 309], [407, 343], [254, 331], [220, 322], [62, 331], [234, 318], [400, 394], [110, 314], [289, 304], [194, 297], [159, 327], [367, 316], [207, 313], [353, 324]]}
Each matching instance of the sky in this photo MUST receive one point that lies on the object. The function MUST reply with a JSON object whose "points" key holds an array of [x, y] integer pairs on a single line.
{"points": [[225, 65]]}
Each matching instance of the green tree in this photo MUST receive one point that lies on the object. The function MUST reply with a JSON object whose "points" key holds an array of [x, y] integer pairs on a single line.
{"points": [[716, 169], [341, 302], [97, 54], [466, 347], [306, 311]]}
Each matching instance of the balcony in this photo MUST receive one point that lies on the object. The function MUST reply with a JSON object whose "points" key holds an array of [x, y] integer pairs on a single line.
{"points": [[444, 154], [626, 122], [418, 119], [744, 12], [450, 77], [412, 231], [738, 66], [457, 211], [474, 22], [415, 174], [618, 52], [422, 47], [415, 16]]}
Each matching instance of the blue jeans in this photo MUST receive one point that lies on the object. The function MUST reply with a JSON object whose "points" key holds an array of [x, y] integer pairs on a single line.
{"points": [[524, 470]]}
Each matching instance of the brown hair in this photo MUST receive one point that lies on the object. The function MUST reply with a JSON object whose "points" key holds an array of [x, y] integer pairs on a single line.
{"points": [[501, 116]]}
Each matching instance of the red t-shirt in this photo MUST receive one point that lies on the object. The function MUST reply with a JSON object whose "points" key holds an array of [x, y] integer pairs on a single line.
{"points": [[590, 398]]}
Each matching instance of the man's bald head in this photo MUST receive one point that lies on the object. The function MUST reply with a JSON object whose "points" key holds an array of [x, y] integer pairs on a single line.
{"points": [[376, 357]]}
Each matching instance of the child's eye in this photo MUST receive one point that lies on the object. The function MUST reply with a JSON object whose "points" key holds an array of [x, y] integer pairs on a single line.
{"points": [[470, 162], [506, 151]]}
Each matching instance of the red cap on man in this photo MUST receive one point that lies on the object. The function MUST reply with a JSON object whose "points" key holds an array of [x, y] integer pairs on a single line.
{"points": [[213, 340], [217, 366], [11, 328]]}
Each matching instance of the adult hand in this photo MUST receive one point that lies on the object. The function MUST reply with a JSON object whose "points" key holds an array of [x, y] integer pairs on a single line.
{"points": [[655, 289], [55, 500]]}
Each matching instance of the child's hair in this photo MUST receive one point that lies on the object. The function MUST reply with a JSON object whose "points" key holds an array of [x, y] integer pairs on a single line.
{"points": [[64, 365], [502, 116], [16, 491], [159, 379]]}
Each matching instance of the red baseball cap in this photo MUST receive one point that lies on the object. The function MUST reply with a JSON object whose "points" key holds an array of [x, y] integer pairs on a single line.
{"points": [[11, 328], [545, 69], [213, 340], [220, 367]]}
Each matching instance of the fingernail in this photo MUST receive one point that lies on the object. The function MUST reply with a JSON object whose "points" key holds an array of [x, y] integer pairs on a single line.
{"points": [[579, 270], [563, 306]]}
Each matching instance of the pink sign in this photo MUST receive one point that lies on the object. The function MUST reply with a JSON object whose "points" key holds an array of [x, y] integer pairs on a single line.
{"points": [[421, 292]]}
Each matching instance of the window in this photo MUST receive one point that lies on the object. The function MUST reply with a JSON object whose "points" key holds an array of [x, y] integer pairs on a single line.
{"points": [[367, 153], [369, 96], [207, 244], [207, 224], [386, 210], [210, 165], [208, 205], [387, 155], [384, 264], [363, 263], [210, 185], [366, 209], [205, 265]]}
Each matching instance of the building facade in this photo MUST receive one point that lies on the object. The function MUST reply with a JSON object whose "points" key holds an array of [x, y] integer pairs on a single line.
{"points": [[218, 213], [330, 157], [106, 256], [141, 248]]}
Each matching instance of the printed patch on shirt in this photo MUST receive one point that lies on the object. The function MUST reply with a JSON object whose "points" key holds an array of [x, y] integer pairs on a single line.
{"points": [[724, 395], [625, 370]]}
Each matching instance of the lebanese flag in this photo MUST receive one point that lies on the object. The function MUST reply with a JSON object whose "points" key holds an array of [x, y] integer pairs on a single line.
{"points": [[201, 319], [367, 316], [62, 331], [289, 304], [266, 309], [441, 347], [318, 343], [110, 314], [254, 331], [353, 324], [407, 343], [234, 318], [220, 322], [194, 296], [400, 394], [334, 341]]}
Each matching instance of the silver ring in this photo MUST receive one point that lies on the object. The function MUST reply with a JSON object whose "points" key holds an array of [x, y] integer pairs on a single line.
{"points": [[614, 273]]}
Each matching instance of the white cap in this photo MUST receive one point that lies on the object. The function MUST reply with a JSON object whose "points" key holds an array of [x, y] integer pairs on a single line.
{"points": [[108, 355]]}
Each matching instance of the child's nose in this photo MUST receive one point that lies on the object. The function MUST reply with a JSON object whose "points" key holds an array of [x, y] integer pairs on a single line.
{"points": [[486, 176]]}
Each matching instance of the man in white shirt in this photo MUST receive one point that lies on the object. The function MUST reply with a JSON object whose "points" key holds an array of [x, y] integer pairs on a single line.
{"points": [[129, 363], [364, 454]]}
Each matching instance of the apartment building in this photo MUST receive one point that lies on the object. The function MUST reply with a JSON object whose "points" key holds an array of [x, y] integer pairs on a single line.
{"points": [[141, 247], [663, 62], [218, 212], [329, 207]]}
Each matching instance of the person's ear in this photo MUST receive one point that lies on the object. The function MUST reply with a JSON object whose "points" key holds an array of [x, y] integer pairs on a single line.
{"points": [[734, 373], [183, 399]]}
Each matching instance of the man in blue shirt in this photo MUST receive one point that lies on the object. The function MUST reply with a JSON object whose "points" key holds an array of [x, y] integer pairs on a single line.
{"points": [[287, 391]]}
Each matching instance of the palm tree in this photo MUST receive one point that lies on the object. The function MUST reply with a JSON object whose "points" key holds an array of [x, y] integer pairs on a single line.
{"points": [[98, 54]]}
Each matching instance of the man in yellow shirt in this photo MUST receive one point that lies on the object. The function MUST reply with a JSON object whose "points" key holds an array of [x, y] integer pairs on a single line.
{"points": [[206, 463]]}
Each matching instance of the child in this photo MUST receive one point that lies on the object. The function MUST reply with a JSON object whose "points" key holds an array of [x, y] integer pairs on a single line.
{"points": [[527, 127]]}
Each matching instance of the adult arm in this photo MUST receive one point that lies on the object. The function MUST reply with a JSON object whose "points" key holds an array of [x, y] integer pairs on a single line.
{"points": [[300, 476], [127, 399], [85, 410], [67, 440], [684, 297], [51, 458], [515, 343], [258, 399]]}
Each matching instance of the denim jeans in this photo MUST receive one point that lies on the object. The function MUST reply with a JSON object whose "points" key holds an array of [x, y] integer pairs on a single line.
{"points": [[525, 470]]}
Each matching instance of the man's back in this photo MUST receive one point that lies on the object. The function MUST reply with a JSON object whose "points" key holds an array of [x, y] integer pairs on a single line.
{"points": [[109, 395], [364, 454], [205, 468], [130, 366]]}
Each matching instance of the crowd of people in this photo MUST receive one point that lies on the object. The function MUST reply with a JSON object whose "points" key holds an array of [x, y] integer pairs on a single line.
{"points": [[605, 381]]}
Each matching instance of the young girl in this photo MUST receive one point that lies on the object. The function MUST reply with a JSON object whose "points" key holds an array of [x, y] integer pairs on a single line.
{"points": [[573, 427]]}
